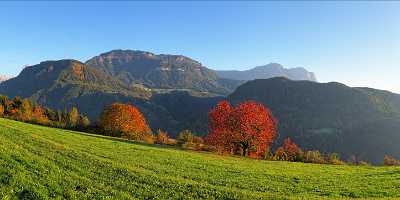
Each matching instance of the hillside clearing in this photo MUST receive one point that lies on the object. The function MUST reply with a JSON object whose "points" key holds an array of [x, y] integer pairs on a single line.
{"points": [[44, 163]]}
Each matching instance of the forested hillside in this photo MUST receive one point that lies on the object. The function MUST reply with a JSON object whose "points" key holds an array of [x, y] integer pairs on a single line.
{"points": [[332, 117]]}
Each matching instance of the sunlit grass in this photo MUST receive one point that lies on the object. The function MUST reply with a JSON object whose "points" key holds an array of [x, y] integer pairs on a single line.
{"points": [[45, 163]]}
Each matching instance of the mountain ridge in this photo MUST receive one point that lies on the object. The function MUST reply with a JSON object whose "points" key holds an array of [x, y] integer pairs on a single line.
{"points": [[162, 71], [65, 83], [331, 117]]}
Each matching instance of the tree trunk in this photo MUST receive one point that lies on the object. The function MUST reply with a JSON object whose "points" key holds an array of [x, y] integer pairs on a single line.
{"points": [[244, 152], [245, 147]]}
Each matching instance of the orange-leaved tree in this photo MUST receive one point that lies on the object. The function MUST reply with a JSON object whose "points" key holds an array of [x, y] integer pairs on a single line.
{"points": [[126, 121], [248, 128]]}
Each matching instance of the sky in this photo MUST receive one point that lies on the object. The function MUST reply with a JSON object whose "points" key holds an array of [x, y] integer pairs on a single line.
{"points": [[355, 43]]}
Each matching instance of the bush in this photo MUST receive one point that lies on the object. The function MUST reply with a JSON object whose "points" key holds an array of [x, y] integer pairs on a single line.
{"points": [[185, 136], [390, 161], [314, 157], [189, 146], [187, 140], [334, 159], [83, 122], [363, 163], [289, 151], [268, 155], [353, 160], [39, 116], [148, 139], [293, 152], [172, 141], [280, 154], [162, 137], [198, 140], [209, 148]]}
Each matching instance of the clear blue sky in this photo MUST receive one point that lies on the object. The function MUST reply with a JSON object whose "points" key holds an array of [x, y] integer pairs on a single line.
{"points": [[356, 43]]}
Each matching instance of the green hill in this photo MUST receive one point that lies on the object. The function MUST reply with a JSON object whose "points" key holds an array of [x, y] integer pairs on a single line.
{"points": [[330, 117], [44, 163]]}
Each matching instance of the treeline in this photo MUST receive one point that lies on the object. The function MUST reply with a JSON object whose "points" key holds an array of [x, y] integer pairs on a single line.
{"points": [[27, 111], [289, 151], [126, 121], [248, 129]]}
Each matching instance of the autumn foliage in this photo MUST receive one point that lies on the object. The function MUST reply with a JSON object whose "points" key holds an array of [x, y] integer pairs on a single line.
{"points": [[162, 137], [248, 128], [126, 121], [39, 115], [26, 110], [291, 149], [390, 161]]}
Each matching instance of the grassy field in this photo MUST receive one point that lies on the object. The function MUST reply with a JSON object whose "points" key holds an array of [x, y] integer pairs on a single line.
{"points": [[44, 163]]}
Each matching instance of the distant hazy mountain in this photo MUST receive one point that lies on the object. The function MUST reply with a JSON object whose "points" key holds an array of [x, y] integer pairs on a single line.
{"points": [[3, 78], [268, 71]]}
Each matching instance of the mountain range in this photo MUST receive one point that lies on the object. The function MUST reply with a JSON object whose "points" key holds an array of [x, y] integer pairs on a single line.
{"points": [[268, 71], [175, 92], [154, 83]]}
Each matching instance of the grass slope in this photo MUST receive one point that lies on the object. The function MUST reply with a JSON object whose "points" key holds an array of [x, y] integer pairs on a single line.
{"points": [[44, 163]]}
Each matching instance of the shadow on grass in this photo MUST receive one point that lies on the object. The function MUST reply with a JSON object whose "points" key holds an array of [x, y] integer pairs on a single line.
{"points": [[120, 139], [161, 146]]}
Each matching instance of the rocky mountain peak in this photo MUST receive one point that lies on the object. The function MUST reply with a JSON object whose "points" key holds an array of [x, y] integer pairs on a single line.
{"points": [[268, 71]]}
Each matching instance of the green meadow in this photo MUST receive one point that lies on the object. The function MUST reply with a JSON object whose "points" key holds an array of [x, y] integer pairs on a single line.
{"points": [[45, 163]]}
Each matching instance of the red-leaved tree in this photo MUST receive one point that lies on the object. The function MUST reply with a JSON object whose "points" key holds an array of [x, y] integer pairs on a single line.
{"points": [[248, 128]]}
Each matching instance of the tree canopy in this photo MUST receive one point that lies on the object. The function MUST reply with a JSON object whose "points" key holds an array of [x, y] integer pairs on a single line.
{"points": [[248, 128], [124, 120]]}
